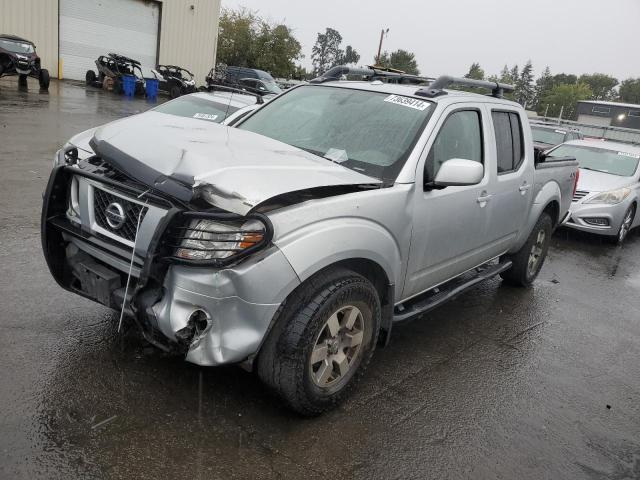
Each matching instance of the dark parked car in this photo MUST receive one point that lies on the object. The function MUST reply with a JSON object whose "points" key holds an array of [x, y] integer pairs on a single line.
{"points": [[111, 68], [248, 79], [547, 135], [18, 57], [175, 81]]}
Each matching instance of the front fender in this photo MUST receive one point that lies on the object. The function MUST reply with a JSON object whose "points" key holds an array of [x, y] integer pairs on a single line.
{"points": [[323, 243], [549, 193]]}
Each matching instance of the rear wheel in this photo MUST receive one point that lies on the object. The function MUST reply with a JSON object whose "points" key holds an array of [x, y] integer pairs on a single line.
{"points": [[175, 91], [44, 79], [90, 78], [324, 336], [528, 261]]}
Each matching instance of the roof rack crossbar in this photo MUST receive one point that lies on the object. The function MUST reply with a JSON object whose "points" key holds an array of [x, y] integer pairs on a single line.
{"points": [[373, 73], [437, 87]]}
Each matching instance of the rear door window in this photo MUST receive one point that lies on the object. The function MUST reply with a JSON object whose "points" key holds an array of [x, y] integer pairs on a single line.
{"points": [[509, 141]]}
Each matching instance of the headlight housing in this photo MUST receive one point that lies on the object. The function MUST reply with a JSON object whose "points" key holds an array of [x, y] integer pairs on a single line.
{"points": [[611, 197], [212, 241], [67, 155]]}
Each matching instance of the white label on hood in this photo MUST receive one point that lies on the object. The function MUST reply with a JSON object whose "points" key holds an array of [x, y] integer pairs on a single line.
{"points": [[625, 154], [560, 131], [336, 155], [407, 102], [205, 116]]}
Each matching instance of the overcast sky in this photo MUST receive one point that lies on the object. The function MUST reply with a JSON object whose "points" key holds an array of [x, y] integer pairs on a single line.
{"points": [[571, 36]]}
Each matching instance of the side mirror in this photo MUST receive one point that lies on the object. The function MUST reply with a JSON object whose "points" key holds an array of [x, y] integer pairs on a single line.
{"points": [[539, 155], [459, 172]]}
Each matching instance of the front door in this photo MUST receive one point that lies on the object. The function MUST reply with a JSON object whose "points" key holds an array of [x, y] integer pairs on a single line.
{"points": [[449, 233]]}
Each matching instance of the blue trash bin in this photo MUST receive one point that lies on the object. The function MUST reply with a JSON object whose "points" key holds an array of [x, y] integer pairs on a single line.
{"points": [[129, 85], [151, 88]]}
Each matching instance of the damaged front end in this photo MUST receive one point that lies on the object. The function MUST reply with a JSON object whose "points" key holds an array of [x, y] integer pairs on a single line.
{"points": [[189, 289]]}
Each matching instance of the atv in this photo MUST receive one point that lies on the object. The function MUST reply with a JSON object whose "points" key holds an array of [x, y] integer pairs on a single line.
{"points": [[174, 80], [18, 57], [111, 69]]}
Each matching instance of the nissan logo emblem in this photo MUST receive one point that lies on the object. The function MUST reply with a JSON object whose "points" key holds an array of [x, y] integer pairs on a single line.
{"points": [[115, 215]]}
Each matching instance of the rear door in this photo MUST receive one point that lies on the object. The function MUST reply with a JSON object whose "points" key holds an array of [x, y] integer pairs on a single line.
{"points": [[449, 225], [511, 187]]}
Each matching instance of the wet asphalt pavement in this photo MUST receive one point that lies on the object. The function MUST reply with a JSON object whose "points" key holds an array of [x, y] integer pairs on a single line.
{"points": [[539, 383]]}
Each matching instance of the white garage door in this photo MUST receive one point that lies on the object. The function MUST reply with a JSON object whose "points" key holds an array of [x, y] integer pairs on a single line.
{"points": [[90, 28]]}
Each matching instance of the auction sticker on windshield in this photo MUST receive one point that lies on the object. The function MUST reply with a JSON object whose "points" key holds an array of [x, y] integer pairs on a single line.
{"points": [[407, 102], [205, 116], [625, 154]]}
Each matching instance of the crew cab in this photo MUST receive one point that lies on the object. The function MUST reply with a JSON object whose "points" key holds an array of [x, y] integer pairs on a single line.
{"points": [[293, 242]]}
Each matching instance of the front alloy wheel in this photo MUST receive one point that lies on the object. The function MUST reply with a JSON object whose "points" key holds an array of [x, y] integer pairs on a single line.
{"points": [[626, 224], [337, 346], [536, 253]]}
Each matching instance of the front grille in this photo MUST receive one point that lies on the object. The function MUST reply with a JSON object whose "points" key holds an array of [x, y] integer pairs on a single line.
{"points": [[131, 210], [579, 195]]}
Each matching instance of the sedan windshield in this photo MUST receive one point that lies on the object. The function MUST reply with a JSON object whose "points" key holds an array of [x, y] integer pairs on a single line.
{"points": [[15, 46], [370, 132], [548, 136], [198, 108], [623, 164]]}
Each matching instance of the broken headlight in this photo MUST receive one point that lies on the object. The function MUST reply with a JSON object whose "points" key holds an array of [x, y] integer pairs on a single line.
{"points": [[67, 155], [206, 240]]}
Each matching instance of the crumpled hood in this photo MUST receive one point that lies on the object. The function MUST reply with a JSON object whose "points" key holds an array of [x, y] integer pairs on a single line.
{"points": [[591, 181], [237, 169]]}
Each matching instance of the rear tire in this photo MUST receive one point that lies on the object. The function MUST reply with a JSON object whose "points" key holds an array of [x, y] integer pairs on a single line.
{"points": [[44, 79], [322, 341], [528, 261], [90, 78], [175, 91]]}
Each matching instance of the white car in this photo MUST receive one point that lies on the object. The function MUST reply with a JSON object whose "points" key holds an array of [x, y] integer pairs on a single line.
{"points": [[606, 199], [216, 108]]}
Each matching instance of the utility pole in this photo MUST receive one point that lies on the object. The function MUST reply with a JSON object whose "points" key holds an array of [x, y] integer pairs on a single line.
{"points": [[560, 117], [382, 34]]}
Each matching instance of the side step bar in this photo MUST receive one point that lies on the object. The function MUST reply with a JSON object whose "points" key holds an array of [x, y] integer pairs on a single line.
{"points": [[437, 296]]}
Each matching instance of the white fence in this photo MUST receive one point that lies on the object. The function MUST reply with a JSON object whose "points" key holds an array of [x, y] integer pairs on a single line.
{"points": [[610, 133]]}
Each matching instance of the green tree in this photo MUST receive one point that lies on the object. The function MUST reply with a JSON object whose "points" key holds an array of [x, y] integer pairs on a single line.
{"points": [[565, 97], [524, 91], [515, 74], [601, 85], [400, 60], [475, 71], [630, 90], [350, 56], [564, 78], [246, 40], [326, 52], [505, 76], [544, 84]]}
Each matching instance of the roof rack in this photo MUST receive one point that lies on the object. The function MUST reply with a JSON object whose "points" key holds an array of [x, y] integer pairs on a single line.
{"points": [[371, 73], [122, 58], [437, 87]]}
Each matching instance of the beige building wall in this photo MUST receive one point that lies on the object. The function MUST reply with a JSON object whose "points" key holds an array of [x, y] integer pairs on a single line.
{"points": [[188, 36], [35, 20]]}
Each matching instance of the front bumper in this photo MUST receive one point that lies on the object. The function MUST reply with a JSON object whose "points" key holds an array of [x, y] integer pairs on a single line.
{"points": [[581, 217], [239, 300]]}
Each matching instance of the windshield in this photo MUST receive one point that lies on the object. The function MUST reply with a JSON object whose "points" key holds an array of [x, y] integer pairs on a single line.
{"points": [[607, 161], [201, 109], [15, 46], [272, 87], [548, 136], [372, 133]]}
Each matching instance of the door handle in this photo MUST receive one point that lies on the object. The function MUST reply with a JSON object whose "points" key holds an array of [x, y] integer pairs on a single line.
{"points": [[524, 187], [484, 198]]}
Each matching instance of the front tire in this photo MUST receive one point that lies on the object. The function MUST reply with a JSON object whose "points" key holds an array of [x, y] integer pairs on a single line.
{"points": [[528, 261], [625, 226], [22, 80], [175, 91], [324, 337], [44, 79], [90, 78]]}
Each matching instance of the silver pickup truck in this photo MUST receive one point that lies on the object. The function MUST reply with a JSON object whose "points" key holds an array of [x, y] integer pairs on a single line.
{"points": [[292, 242]]}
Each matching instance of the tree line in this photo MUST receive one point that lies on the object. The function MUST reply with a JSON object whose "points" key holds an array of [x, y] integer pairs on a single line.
{"points": [[551, 94], [248, 40]]}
